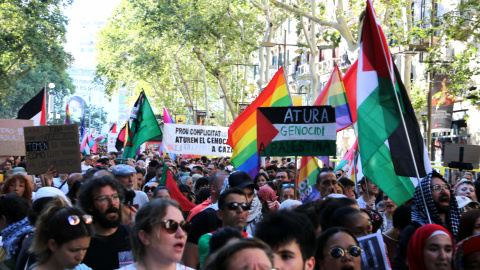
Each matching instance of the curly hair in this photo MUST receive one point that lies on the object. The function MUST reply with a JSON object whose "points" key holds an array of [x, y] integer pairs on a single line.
{"points": [[27, 194], [53, 224], [85, 198]]}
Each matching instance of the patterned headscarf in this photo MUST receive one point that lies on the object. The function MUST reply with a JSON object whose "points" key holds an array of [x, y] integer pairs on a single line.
{"points": [[268, 195], [419, 213]]}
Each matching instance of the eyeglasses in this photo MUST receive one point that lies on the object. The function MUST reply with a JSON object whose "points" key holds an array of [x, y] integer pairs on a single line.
{"points": [[338, 252], [74, 220], [235, 205], [171, 226], [104, 199], [147, 189], [438, 188]]}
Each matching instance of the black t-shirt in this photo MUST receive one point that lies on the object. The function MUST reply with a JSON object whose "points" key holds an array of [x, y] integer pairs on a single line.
{"points": [[110, 252], [204, 222]]}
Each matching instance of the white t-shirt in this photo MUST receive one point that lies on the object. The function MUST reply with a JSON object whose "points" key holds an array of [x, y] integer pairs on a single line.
{"points": [[57, 183], [140, 199], [363, 204]]}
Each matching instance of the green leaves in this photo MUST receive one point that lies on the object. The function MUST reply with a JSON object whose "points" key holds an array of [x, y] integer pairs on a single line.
{"points": [[32, 32]]}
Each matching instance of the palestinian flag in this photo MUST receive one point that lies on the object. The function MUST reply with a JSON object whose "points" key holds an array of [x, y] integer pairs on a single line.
{"points": [[120, 139], [35, 110], [382, 102]]}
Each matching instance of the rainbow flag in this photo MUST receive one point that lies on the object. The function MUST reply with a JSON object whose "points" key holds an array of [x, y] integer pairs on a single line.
{"points": [[242, 133], [167, 119], [307, 177], [348, 156], [334, 94], [68, 120]]}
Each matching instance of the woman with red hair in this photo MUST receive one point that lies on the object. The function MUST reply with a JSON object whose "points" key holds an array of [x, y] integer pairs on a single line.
{"points": [[19, 184], [430, 248]]}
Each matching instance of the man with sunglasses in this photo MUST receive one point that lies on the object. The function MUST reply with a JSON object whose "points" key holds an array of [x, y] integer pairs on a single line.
{"points": [[437, 203], [291, 236], [233, 212], [207, 220], [110, 247]]}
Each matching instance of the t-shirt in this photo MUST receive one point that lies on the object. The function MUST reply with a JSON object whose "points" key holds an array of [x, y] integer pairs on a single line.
{"points": [[133, 267], [110, 252], [140, 199], [363, 204], [199, 208], [57, 182], [85, 168]]}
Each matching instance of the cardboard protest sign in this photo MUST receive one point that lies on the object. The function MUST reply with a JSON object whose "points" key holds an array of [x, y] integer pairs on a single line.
{"points": [[296, 131], [52, 145], [374, 256], [471, 154], [196, 140], [12, 142]]}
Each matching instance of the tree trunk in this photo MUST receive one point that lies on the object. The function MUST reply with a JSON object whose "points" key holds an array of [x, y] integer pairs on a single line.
{"points": [[223, 85]]}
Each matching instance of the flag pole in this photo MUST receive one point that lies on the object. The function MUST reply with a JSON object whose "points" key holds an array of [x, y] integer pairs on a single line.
{"points": [[295, 180], [403, 120], [355, 156]]}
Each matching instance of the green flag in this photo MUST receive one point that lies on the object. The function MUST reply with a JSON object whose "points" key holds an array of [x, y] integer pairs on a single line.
{"points": [[143, 126]]}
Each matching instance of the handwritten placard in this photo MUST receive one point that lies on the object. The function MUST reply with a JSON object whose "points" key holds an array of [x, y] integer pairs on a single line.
{"points": [[52, 145], [12, 142]]}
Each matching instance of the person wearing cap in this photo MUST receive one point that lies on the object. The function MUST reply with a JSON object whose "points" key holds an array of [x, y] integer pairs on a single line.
{"points": [[467, 254], [465, 203], [207, 220], [125, 174]]}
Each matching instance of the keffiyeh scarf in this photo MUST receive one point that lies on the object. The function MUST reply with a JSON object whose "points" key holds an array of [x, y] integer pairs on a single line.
{"points": [[13, 235], [419, 213]]}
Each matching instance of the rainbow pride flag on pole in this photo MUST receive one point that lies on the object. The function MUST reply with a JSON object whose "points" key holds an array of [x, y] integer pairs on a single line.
{"points": [[167, 119], [334, 94], [68, 119], [307, 177], [348, 156], [242, 133]]}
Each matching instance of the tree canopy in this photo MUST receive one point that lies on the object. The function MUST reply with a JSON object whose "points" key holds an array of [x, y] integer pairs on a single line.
{"points": [[31, 32]]}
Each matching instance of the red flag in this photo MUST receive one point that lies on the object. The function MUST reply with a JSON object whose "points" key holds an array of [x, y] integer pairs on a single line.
{"points": [[168, 181]]}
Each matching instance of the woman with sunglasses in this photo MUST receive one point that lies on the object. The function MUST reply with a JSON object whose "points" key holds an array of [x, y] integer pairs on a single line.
{"points": [[158, 236], [337, 248], [62, 236], [149, 188]]}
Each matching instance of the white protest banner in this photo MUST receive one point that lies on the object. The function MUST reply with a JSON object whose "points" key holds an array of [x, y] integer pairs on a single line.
{"points": [[52, 145], [196, 140], [12, 142], [112, 140], [374, 256]]}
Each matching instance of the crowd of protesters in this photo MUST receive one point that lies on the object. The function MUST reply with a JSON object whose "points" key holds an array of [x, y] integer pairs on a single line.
{"points": [[119, 214]]}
